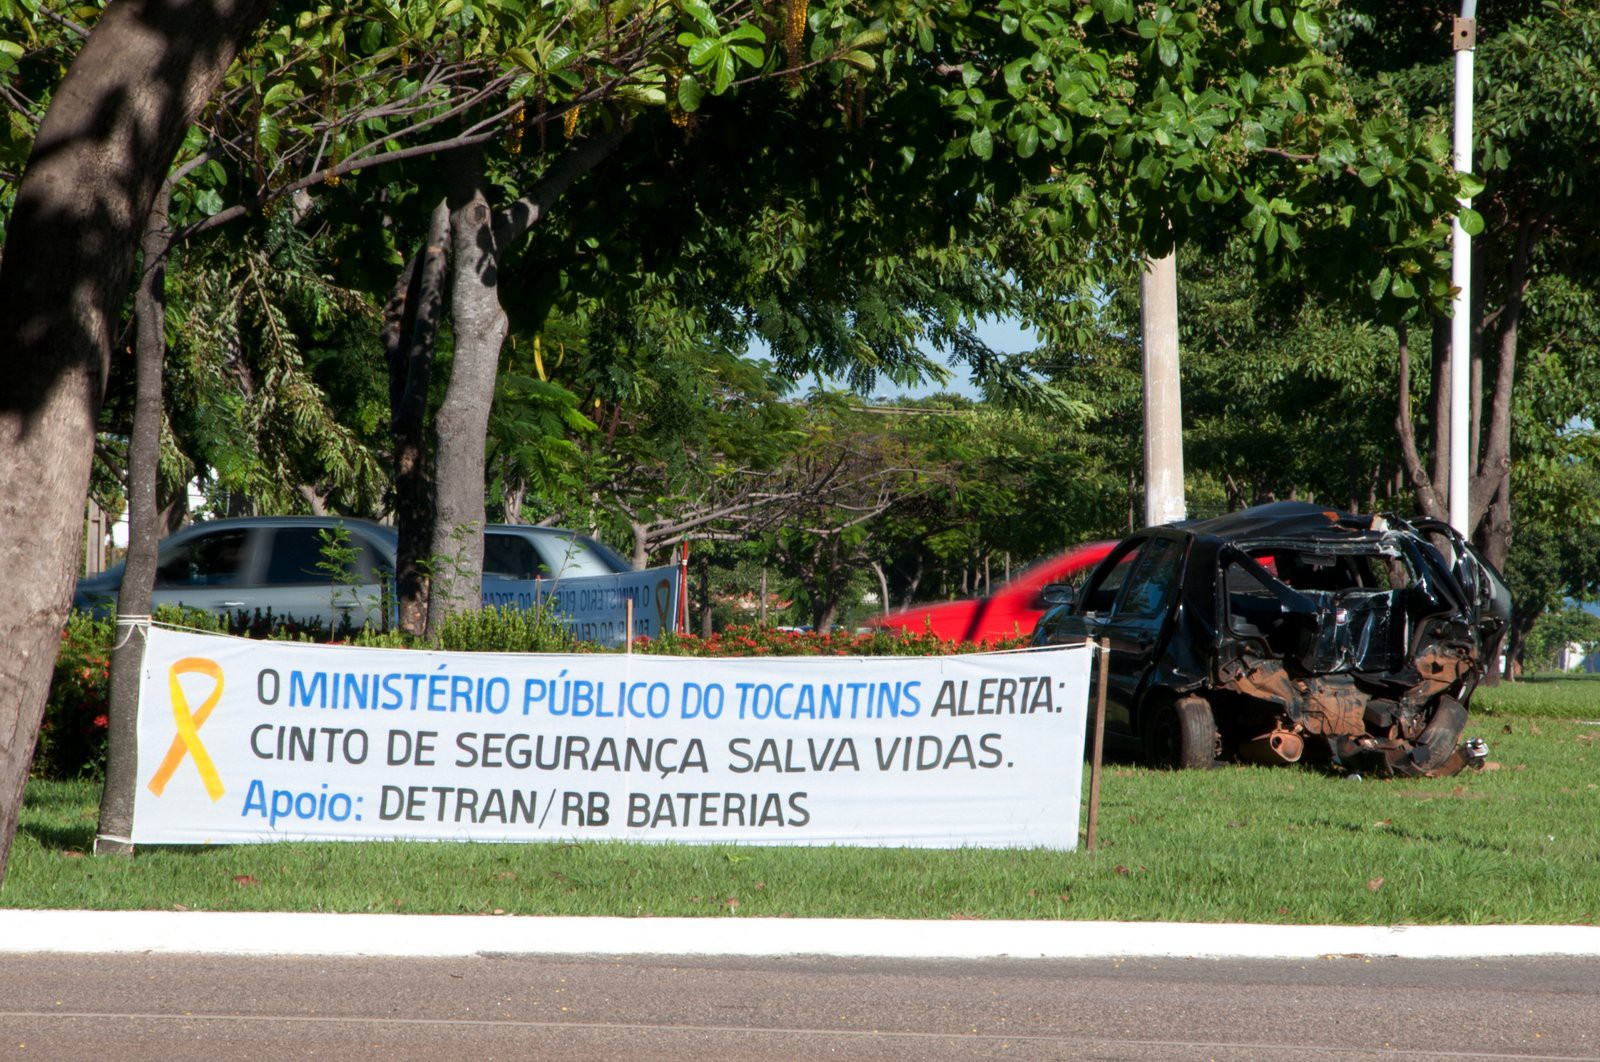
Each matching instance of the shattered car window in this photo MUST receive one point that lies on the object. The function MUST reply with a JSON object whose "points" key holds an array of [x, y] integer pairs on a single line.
{"points": [[1253, 608], [1102, 595], [1152, 578]]}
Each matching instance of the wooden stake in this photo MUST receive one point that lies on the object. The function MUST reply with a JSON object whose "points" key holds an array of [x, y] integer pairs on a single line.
{"points": [[1103, 659]]}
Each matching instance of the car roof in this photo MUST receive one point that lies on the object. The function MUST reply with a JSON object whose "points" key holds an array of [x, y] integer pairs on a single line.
{"points": [[536, 529], [383, 531], [1287, 519], [249, 522]]}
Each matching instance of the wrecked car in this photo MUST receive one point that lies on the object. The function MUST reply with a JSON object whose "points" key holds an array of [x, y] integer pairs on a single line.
{"points": [[1290, 633]]}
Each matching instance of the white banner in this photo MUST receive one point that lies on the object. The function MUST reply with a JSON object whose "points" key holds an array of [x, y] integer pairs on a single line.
{"points": [[245, 741], [595, 607]]}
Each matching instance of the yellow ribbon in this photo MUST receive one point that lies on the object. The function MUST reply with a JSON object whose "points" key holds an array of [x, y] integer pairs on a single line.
{"points": [[663, 606], [189, 724]]}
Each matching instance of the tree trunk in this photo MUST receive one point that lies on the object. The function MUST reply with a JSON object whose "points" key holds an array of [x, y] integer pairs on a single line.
{"points": [[825, 572], [883, 587], [1428, 497], [1439, 414], [113, 127], [1497, 540], [463, 421], [411, 334], [914, 583], [144, 532], [707, 627], [1516, 637], [174, 510], [1491, 485], [478, 236], [641, 538]]}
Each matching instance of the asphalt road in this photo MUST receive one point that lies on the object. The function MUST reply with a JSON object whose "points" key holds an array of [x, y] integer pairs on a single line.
{"points": [[176, 1008]]}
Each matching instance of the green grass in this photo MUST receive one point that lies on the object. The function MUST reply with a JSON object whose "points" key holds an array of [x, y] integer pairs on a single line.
{"points": [[1548, 696], [1517, 844]]}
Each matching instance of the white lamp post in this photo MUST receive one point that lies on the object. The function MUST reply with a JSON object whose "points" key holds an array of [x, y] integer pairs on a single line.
{"points": [[1465, 38]]}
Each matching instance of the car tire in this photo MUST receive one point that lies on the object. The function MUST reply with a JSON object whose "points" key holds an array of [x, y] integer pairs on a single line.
{"points": [[1181, 735]]}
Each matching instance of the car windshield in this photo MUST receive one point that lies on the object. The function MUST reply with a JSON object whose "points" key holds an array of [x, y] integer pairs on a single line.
{"points": [[543, 553]]}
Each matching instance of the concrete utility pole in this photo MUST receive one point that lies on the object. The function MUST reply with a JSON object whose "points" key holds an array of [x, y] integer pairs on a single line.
{"points": [[1163, 403], [1465, 39]]}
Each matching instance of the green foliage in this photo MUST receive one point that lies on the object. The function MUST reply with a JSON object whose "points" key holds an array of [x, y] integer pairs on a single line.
{"points": [[1550, 561], [382, 638], [534, 428], [1535, 152], [72, 737], [1555, 631], [506, 630], [38, 39], [1556, 478], [1284, 396], [337, 556], [930, 163], [1185, 119], [244, 412], [338, 560], [194, 619]]}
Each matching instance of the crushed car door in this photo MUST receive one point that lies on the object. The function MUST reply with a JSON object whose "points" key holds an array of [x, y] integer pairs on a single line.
{"points": [[1137, 625]]}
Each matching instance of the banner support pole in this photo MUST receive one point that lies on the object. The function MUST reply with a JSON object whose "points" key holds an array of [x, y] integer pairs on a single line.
{"points": [[1103, 659]]}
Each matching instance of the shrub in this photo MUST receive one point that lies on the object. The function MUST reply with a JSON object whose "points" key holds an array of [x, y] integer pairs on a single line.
{"points": [[377, 638], [1555, 631], [194, 619], [72, 736], [506, 630]]}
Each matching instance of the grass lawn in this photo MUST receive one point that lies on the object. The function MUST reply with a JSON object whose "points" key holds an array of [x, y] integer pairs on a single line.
{"points": [[1516, 843], [1550, 696]]}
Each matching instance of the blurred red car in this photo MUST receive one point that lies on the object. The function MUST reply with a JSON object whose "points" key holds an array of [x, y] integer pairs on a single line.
{"points": [[1007, 613]]}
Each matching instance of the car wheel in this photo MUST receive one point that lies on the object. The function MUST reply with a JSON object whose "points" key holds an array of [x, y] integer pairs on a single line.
{"points": [[1181, 735]]}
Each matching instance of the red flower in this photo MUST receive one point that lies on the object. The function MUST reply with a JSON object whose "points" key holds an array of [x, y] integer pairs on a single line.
{"points": [[101, 722]]}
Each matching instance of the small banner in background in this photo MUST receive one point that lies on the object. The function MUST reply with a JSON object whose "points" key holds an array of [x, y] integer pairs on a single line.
{"points": [[594, 607], [245, 741]]}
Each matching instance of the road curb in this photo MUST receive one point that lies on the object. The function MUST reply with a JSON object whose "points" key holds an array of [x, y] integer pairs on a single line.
{"points": [[274, 933]]}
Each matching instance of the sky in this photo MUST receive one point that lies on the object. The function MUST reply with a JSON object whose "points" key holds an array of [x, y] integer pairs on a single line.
{"points": [[1008, 336]]}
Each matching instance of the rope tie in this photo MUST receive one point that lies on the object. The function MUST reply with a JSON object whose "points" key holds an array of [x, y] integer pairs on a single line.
{"points": [[132, 623]]}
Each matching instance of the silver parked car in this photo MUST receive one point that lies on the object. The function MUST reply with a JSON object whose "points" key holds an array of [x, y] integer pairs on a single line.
{"points": [[281, 565]]}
